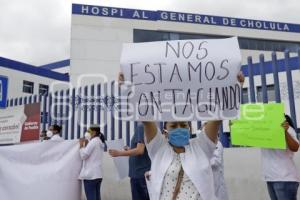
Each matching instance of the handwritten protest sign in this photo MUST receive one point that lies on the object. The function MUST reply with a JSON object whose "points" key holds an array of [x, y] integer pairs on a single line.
{"points": [[259, 126], [181, 80]]}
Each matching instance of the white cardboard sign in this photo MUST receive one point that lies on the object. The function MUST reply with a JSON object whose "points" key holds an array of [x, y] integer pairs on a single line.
{"points": [[181, 80], [121, 163]]}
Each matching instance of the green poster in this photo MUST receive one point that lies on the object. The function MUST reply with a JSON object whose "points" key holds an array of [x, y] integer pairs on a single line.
{"points": [[259, 126]]}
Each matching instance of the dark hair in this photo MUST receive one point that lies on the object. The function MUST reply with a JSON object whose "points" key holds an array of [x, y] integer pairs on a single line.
{"points": [[289, 120], [165, 125], [56, 128], [98, 133]]}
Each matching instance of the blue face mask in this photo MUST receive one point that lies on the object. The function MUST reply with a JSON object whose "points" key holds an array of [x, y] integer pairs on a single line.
{"points": [[179, 137]]}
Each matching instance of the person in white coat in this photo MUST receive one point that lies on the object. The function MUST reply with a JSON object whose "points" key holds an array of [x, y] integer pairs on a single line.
{"points": [[217, 165], [180, 166], [278, 167], [91, 152], [54, 133]]}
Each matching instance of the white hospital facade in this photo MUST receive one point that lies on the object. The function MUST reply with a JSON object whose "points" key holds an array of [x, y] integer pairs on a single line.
{"points": [[98, 32]]}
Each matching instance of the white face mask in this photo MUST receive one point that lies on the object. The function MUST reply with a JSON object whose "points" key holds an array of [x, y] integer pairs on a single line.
{"points": [[87, 136], [49, 134]]}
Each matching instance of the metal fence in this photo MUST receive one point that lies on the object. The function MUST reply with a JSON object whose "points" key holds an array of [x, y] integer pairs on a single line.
{"points": [[74, 109]]}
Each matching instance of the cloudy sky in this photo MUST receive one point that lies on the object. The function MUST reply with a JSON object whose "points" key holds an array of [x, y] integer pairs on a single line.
{"points": [[38, 31]]}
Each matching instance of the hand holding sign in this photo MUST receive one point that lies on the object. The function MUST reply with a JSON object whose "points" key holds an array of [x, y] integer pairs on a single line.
{"points": [[181, 80]]}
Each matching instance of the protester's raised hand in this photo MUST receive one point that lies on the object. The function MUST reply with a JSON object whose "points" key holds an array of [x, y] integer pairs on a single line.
{"points": [[285, 125], [82, 142], [121, 78], [241, 77]]}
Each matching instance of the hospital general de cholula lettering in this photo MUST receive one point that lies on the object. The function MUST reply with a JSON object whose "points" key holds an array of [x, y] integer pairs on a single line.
{"points": [[182, 17]]}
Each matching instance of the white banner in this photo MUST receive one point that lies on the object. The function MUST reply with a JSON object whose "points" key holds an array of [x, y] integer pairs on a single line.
{"points": [[181, 80], [40, 171]]}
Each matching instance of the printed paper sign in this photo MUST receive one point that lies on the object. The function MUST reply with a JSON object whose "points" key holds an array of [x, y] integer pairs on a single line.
{"points": [[20, 124], [181, 80], [259, 126]]}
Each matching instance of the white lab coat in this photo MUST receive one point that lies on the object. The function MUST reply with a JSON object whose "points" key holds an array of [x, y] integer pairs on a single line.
{"points": [[56, 137], [92, 156], [195, 162], [217, 165]]}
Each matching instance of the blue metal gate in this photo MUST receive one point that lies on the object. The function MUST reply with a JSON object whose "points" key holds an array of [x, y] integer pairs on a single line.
{"points": [[76, 108]]}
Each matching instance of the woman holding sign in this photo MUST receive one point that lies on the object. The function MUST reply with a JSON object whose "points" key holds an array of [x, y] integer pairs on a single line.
{"points": [[279, 169], [180, 166]]}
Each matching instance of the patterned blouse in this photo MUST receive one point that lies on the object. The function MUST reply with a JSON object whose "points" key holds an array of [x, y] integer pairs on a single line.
{"points": [[187, 190]]}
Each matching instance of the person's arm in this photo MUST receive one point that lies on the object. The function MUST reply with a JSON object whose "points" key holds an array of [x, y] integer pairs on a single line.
{"points": [[150, 130], [86, 151], [212, 129], [241, 78], [139, 150], [291, 142]]}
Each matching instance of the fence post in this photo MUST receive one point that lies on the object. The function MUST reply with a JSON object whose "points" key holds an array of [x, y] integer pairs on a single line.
{"points": [[45, 112], [111, 111], [20, 101], [120, 135], [79, 113], [263, 78], [99, 102], [73, 114], [105, 95], [85, 110], [92, 102], [16, 102], [61, 109], [50, 109], [251, 80], [290, 86], [128, 133], [275, 77], [55, 107], [66, 115]]}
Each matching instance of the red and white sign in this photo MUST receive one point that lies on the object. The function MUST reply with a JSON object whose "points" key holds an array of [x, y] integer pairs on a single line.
{"points": [[20, 124]]}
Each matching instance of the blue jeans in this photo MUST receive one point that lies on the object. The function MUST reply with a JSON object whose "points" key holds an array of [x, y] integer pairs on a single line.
{"points": [[92, 189], [283, 190], [139, 189]]}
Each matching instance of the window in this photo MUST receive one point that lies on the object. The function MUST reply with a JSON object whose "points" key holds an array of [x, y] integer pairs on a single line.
{"points": [[43, 89], [0, 90], [245, 43], [28, 87], [270, 93], [149, 36]]}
